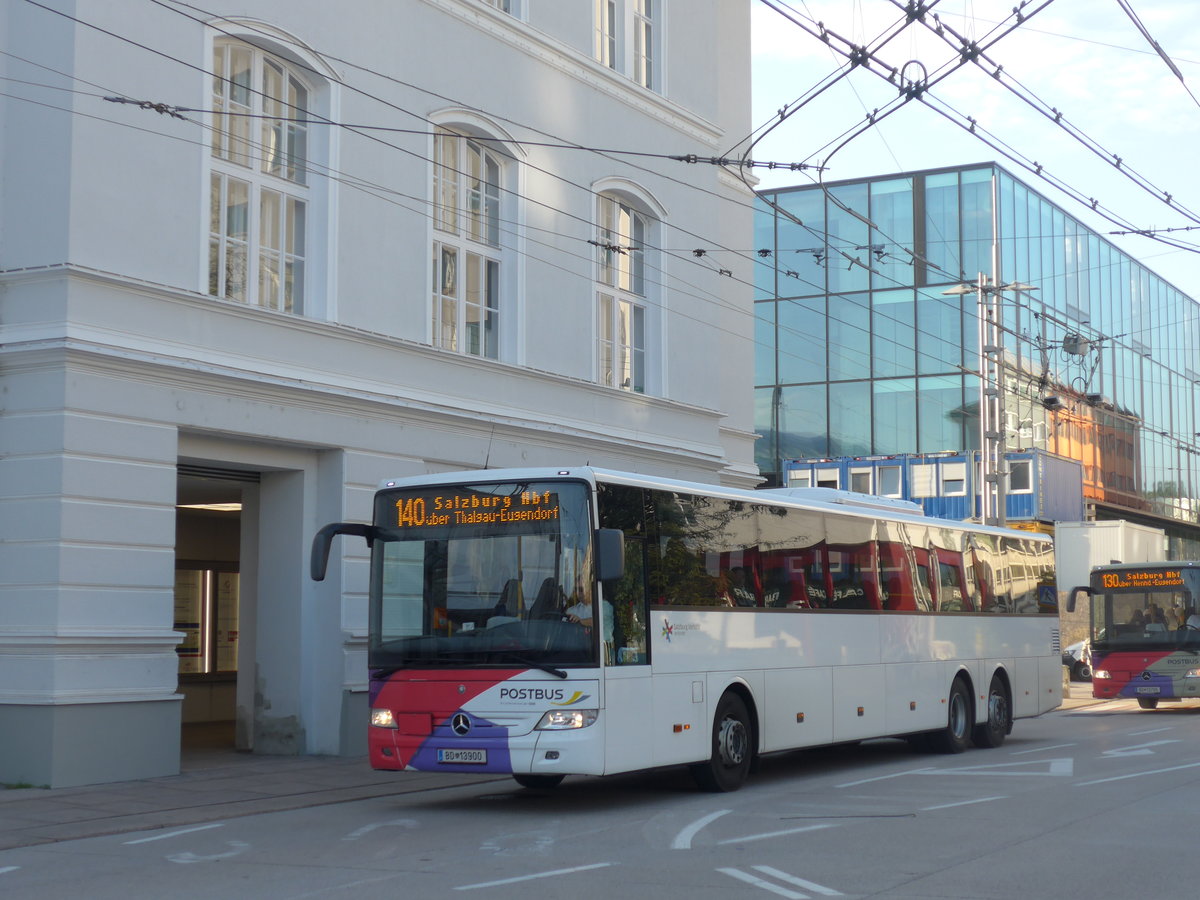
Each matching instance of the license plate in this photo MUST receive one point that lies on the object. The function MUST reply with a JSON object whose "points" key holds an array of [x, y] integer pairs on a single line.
{"points": [[1149, 690], [475, 757]]}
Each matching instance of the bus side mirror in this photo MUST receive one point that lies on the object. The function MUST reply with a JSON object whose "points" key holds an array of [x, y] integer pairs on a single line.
{"points": [[1076, 593], [610, 554], [323, 540]]}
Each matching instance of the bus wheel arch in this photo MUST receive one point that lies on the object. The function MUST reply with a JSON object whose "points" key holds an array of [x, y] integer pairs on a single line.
{"points": [[955, 736], [733, 744], [998, 704]]}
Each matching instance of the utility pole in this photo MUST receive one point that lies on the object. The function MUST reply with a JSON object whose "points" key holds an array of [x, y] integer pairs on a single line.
{"points": [[993, 434]]}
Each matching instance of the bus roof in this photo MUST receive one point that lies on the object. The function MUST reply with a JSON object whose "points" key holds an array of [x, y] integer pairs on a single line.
{"points": [[775, 497]]}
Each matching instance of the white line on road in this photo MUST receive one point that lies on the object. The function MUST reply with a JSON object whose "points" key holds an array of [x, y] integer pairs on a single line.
{"points": [[1139, 749], [1137, 775], [8, 869], [367, 829], [961, 803], [771, 834], [1041, 749], [764, 884], [683, 840], [1151, 731], [885, 777], [171, 834], [799, 882], [485, 884]]}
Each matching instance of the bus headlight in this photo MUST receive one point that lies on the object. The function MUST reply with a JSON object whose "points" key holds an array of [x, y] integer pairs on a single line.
{"points": [[563, 719], [1192, 673], [383, 718], [1100, 673]]}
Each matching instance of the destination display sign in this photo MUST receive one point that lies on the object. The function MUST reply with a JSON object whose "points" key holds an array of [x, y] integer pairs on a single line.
{"points": [[1141, 579], [449, 509]]}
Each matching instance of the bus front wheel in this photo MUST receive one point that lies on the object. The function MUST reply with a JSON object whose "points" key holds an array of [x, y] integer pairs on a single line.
{"points": [[956, 735], [732, 748]]}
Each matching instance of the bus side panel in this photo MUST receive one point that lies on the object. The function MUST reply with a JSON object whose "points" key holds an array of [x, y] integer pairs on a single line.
{"points": [[1052, 685], [910, 687], [679, 703], [798, 708], [859, 704], [1028, 682], [626, 717]]}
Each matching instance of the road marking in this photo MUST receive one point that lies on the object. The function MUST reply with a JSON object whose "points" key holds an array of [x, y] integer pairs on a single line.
{"points": [[239, 847], [1137, 774], [1138, 749], [764, 884], [778, 889], [8, 869], [1041, 749], [171, 834], [885, 777], [683, 840], [485, 884], [1062, 767], [771, 834], [961, 803], [367, 829], [1151, 731], [799, 882]]}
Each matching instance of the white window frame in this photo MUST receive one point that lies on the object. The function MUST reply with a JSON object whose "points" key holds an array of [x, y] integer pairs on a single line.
{"points": [[881, 481], [260, 196], [922, 480], [627, 37], [859, 473], [1027, 465], [800, 478], [468, 246], [828, 478], [622, 318], [953, 473]]}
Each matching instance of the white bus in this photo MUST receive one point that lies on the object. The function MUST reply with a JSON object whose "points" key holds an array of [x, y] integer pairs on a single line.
{"points": [[546, 622]]}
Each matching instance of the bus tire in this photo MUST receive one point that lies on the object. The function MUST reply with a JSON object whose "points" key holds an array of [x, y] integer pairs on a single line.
{"points": [[999, 717], [955, 737], [544, 782], [732, 748], [1148, 702]]}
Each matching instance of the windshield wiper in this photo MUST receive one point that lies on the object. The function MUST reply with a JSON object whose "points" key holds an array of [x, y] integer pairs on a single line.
{"points": [[534, 665]]}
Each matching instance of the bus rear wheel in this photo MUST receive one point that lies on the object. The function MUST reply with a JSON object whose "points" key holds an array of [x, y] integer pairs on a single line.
{"points": [[732, 748], [956, 735], [992, 732], [1147, 702], [538, 781]]}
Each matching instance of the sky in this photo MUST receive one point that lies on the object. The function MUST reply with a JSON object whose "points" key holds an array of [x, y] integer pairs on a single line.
{"points": [[1085, 58]]}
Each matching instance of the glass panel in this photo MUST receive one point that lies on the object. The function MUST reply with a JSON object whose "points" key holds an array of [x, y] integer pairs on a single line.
{"points": [[849, 238], [850, 419], [799, 417], [941, 227], [939, 333], [941, 415], [849, 323], [894, 337], [892, 213], [976, 197], [895, 418], [764, 343], [802, 340]]}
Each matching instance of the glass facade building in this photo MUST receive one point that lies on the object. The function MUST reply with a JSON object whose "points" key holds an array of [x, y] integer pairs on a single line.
{"points": [[860, 350]]}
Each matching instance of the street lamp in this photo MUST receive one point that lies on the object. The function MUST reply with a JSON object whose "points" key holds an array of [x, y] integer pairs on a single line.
{"points": [[992, 436]]}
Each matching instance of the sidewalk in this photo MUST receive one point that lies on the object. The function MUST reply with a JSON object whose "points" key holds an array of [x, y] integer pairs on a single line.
{"points": [[212, 785], [222, 784]]}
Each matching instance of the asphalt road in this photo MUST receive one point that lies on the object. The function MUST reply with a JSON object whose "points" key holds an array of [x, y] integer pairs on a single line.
{"points": [[1094, 801]]}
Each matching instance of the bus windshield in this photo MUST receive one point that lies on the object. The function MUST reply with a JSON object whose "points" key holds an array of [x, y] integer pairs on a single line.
{"points": [[1146, 607], [485, 574]]}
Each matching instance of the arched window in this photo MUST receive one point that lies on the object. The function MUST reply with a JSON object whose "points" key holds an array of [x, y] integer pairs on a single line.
{"points": [[259, 179], [621, 293], [467, 245]]}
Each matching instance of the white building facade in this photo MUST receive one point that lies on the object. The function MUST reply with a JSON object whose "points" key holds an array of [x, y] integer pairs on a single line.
{"points": [[329, 244]]}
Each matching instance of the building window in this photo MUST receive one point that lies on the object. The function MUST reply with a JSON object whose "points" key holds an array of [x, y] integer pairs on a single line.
{"points": [[860, 481], [258, 183], [954, 479], [621, 294], [502, 5], [1020, 476], [466, 246], [800, 478], [888, 481], [626, 35]]}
